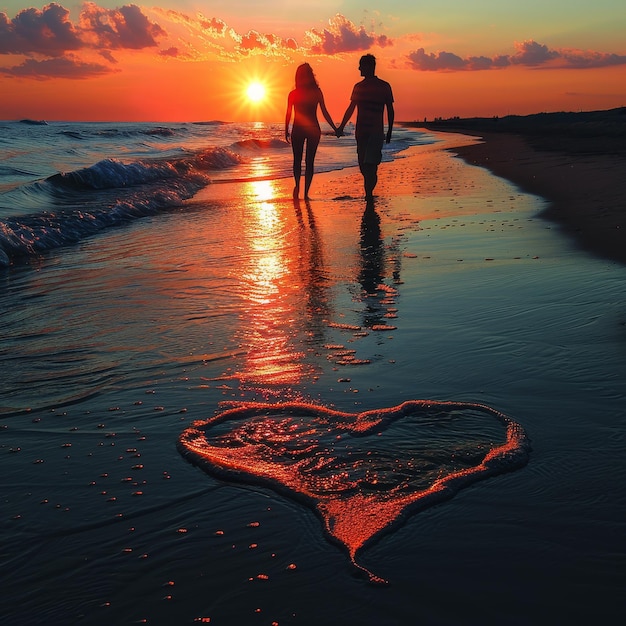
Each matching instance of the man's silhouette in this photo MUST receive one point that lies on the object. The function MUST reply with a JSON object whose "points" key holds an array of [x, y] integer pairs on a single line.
{"points": [[370, 97]]}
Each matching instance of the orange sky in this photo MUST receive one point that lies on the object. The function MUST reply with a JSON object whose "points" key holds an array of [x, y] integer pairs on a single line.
{"points": [[107, 61]]}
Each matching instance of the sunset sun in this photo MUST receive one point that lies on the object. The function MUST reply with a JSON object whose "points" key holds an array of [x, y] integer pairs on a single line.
{"points": [[255, 92]]}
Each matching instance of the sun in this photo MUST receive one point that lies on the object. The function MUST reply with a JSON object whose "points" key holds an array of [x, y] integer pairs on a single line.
{"points": [[255, 92]]}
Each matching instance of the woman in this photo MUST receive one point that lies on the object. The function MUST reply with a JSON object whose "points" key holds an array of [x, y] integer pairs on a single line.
{"points": [[304, 100]]}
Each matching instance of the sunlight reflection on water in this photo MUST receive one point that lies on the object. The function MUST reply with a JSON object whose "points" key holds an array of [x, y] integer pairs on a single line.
{"points": [[271, 286]]}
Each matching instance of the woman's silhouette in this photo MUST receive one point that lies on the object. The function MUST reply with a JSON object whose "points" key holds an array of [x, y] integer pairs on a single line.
{"points": [[304, 100]]}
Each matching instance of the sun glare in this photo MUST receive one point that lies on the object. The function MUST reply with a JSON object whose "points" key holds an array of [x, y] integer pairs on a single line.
{"points": [[255, 92]]}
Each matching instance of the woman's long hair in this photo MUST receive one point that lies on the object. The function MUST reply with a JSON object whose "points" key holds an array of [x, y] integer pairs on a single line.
{"points": [[305, 78]]}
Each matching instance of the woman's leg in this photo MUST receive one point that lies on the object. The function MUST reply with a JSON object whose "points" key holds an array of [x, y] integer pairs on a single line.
{"points": [[312, 142], [297, 146]]}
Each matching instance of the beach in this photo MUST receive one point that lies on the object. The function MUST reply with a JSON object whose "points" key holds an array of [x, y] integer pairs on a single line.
{"points": [[577, 161], [487, 295]]}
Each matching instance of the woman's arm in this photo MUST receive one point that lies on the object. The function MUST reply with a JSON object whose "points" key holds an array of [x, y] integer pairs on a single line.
{"points": [[288, 116], [325, 112]]}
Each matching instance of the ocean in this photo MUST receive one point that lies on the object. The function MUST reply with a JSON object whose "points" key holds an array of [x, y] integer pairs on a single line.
{"points": [[222, 405], [61, 182]]}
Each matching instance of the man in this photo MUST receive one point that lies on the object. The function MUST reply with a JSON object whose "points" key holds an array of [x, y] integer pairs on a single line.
{"points": [[370, 97]]}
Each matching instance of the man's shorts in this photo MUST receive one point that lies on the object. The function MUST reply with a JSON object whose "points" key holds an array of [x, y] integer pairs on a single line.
{"points": [[369, 148]]}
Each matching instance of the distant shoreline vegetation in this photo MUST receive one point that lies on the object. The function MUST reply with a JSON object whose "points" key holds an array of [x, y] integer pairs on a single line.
{"points": [[611, 122]]}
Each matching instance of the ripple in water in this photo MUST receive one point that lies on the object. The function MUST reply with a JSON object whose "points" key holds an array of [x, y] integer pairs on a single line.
{"points": [[361, 472]]}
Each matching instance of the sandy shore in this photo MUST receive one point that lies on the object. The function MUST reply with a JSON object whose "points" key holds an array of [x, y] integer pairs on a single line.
{"points": [[576, 161]]}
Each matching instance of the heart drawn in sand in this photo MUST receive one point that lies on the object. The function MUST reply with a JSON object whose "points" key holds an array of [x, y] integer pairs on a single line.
{"points": [[361, 472]]}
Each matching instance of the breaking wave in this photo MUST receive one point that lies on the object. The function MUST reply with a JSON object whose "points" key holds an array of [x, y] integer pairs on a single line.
{"points": [[111, 192]]}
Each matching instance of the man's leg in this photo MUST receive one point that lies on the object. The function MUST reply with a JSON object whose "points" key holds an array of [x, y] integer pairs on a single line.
{"points": [[369, 151], [370, 178]]}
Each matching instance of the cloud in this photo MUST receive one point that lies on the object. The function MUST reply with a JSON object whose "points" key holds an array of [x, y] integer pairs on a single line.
{"points": [[57, 68], [215, 34], [421, 60], [533, 54], [123, 28], [172, 52], [50, 39], [106, 54], [343, 36], [528, 54], [209, 36], [49, 31], [256, 41], [584, 59], [214, 25]]}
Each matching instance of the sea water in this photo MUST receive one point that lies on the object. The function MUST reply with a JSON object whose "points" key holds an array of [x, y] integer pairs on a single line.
{"points": [[325, 363], [61, 182]]}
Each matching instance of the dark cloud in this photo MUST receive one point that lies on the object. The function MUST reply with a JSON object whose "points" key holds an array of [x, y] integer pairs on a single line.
{"points": [[528, 54], [57, 68], [584, 59], [172, 52], [50, 32], [47, 31], [421, 60], [123, 28], [532, 53], [106, 54], [343, 36]]}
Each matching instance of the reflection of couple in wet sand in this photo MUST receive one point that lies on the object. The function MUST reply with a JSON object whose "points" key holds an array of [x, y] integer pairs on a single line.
{"points": [[369, 97]]}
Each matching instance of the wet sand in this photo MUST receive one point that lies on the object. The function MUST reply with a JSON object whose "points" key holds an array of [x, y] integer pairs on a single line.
{"points": [[576, 161]]}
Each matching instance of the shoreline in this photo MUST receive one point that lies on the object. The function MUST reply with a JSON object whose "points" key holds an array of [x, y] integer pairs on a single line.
{"points": [[578, 167]]}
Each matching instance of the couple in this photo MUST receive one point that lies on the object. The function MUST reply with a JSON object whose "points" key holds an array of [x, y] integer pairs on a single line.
{"points": [[369, 97]]}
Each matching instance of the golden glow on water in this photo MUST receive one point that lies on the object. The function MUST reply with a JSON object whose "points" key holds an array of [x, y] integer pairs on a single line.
{"points": [[268, 269], [271, 284], [263, 190]]}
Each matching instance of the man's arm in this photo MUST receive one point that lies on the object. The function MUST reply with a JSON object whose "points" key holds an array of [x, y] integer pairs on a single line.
{"points": [[346, 116], [390, 118]]}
